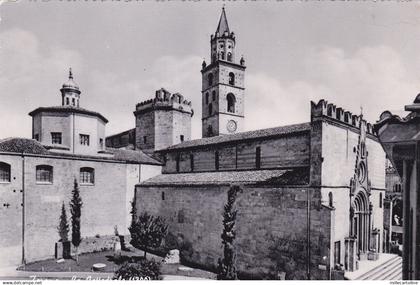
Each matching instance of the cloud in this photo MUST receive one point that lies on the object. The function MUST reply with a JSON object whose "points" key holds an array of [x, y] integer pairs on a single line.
{"points": [[31, 75], [29, 78]]}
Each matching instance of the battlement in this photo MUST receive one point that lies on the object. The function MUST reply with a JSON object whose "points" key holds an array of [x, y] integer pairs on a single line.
{"points": [[323, 108], [217, 35], [164, 100]]}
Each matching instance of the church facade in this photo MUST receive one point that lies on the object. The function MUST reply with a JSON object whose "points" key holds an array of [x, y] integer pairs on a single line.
{"points": [[311, 200]]}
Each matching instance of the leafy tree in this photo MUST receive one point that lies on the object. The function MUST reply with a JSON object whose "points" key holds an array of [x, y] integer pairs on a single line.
{"points": [[227, 265], [147, 231], [76, 212], [63, 227]]}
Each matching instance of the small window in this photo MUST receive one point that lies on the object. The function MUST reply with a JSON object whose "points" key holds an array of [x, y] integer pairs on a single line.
{"points": [[163, 196], [101, 143], [177, 162], [73, 102], [258, 157], [231, 78], [213, 95], [56, 138], [231, 103], [87, 175], [181, 137], [207, 98], [192, 162], [67, 101], [84, 139], [216, 160], [144, 139], [380, 200], [181, 216], [4, 172], [36, 137], [330, 200], [44, 174], [210, 79], [229, 56], [222, 55]]}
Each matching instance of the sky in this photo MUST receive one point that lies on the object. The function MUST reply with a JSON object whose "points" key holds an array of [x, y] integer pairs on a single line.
{"points": [[354, 54]]}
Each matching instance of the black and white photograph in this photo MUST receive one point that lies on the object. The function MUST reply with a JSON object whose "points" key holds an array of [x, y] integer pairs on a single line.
{"points": [[209, 140]]}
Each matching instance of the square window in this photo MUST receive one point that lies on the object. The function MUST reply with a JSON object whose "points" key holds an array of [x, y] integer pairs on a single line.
{"points": [[84, 139], [56, 138]]}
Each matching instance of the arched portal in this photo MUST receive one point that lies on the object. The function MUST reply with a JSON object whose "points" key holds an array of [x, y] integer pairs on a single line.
{"points": [[361, 222]]}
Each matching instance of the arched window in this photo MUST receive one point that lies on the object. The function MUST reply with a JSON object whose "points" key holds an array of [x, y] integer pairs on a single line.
{"points": [[213, 95], [163, 195], [222, 55], [231, 103], [207, 97], [87, 175], [67, 101], [4, 172], [231, 78], [44, 174], [229, 56], [210, 109], [330, 200], [210, 79]]}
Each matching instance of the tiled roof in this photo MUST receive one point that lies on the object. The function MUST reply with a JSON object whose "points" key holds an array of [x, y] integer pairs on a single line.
{"points": [[29, 146], [71, 109], [133, 156], [243, 136], [279, 177], [20, 145]]}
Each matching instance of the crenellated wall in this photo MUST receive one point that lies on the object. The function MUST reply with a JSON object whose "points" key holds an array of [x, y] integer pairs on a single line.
{"points": [[338, 114], [163, 121]]}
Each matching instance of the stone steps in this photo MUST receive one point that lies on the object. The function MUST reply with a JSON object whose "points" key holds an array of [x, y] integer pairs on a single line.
{"points": [[389, 270]]}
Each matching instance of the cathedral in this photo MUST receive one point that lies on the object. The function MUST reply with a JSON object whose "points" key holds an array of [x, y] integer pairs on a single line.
{"points": [[311, 199]]}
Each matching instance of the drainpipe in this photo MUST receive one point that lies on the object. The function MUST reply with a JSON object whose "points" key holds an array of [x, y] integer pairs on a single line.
{"points": [[308, 233], [23, 210]]}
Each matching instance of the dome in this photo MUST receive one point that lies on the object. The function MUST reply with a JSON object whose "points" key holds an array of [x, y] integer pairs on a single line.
{"points": [[417, 100], [70, 84]]}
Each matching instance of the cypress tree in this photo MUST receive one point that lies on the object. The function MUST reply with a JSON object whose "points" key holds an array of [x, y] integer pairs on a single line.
{"points": [[76, 212], [227, 266], [63, 227]]}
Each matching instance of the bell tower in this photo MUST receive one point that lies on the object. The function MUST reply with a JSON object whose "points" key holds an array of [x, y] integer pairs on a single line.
{"points": [[223, 87]]}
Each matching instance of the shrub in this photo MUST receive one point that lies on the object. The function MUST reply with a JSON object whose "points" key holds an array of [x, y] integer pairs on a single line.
{"points": [[147, 232], [142, 270]]}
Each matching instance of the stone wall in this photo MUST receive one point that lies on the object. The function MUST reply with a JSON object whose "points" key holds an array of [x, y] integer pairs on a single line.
{"points": [[270, 219]]}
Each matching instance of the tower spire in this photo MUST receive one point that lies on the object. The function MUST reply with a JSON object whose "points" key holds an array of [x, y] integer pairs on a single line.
{"points": [[223, 23], [70, 74]]}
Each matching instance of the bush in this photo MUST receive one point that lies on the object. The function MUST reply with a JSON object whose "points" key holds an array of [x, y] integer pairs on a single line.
{"points": [[142, 270]]}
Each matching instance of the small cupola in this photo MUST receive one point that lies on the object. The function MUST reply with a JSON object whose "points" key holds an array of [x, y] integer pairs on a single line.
{"points": [[70, 92]]}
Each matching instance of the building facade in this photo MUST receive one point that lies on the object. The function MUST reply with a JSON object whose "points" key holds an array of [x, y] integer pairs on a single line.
{"points": [[37, 176], [311, 200]]}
